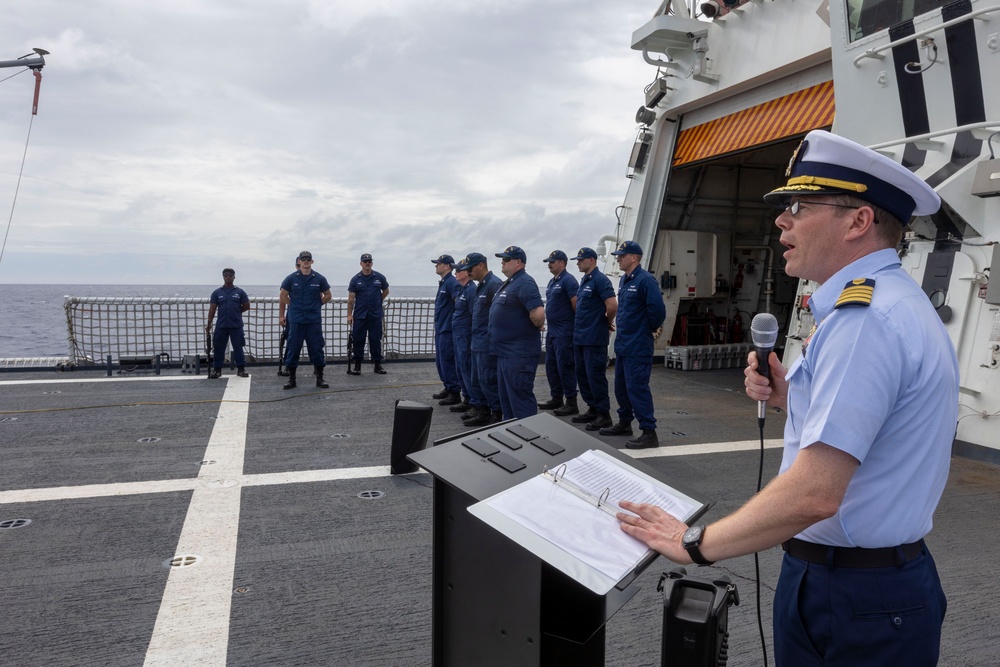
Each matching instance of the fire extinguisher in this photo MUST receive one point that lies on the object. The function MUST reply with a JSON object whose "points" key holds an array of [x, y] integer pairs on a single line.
{"points": [[736, 331]]}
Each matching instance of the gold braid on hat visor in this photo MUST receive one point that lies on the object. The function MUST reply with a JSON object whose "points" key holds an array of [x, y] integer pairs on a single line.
{"points": [[827, 182]]}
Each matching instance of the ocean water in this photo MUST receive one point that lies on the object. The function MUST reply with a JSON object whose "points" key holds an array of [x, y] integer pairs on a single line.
{"points": [[33, 321]]}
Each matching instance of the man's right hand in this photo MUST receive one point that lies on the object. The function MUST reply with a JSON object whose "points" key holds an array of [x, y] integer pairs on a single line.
{"points": [[281, 320], [775, 392], [350, 320]]}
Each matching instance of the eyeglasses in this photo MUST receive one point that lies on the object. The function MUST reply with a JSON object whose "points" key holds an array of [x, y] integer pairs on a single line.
{"points": [[793, 207], [366, 261], [305, 259]]}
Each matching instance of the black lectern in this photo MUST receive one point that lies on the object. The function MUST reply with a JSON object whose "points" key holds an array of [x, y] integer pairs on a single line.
{"points": [[496, 603]]}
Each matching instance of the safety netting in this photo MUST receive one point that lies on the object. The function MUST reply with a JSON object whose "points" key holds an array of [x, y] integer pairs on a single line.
{"points": [[171, 328]]}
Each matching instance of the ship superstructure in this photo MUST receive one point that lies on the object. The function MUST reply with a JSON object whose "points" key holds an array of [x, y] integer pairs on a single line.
{"points": [[737, 85]]}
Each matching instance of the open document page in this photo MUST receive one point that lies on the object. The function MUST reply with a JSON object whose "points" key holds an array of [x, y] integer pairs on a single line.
{"points": [[572, 526]]}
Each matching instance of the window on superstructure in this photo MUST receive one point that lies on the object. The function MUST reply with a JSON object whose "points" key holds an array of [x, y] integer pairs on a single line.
{"points": [[867, 17]]}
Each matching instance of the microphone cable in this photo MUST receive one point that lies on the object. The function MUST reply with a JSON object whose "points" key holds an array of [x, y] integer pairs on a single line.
{"points": [[756, 555]]}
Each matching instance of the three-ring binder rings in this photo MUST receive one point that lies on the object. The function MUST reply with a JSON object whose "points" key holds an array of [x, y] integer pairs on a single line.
{"points": [[566, 517]]}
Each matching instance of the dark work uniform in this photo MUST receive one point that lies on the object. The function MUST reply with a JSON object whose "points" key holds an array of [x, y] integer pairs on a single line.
{"points": [[518, 344], [368, 313], [229, 325], [560, 368], [461, 332], [484, 359], [305, 317], [444, 343], [591, 337], [640, 312]]}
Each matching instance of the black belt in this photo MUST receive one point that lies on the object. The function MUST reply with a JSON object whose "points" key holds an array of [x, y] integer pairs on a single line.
{"points": [[853, 556]]}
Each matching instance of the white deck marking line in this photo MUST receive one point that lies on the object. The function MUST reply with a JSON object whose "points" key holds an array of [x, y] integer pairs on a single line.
{"points": [[192, 626], [211, 474], [152, 378]]}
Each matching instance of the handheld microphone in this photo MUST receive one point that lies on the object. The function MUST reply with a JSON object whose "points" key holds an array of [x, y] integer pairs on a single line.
{"points": [[764, 331]]}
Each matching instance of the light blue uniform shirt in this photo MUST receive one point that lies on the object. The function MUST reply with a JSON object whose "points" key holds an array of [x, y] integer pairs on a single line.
{"points": [[879, 382]]}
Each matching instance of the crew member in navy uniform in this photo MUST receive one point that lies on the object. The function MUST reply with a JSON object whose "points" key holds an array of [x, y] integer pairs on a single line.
{"points": [[560, 309], [872, 406], [303, 294], [366, 291], [461, 331], [640, 315], [485, 394], [596, 307], [444, 342], [517, 316], [230, 302]]}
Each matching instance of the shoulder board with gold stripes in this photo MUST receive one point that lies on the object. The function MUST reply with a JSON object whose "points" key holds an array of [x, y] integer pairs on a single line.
{"points": [[858, 292]]}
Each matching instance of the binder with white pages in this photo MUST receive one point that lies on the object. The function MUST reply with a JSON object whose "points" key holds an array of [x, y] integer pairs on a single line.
{"points": [[566, 517]]}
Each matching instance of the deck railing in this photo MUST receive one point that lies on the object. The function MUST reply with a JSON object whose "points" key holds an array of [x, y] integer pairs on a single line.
{"points": [[143, 327]]}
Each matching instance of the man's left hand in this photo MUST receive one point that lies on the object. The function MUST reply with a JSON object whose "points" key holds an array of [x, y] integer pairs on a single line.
{"points": [[659, 530], [656, 334]]}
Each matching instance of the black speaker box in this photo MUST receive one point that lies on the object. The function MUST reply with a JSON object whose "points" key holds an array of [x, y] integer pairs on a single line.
{"points": [[411, 425]]}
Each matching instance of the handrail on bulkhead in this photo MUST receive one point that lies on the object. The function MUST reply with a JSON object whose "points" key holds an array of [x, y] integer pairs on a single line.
{"points": [[877, 51]]}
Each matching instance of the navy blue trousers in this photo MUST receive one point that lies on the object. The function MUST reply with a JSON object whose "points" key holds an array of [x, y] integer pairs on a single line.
{"points": [[484, 380], [850, 617], [560, 367], [220, 337], [444, 357], [463, 364], [370, 327], [632, 390], [592, 374], [312, 334], [516, 384]]}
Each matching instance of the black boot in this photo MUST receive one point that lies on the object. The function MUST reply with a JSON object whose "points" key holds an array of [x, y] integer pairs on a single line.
{"points": [[291, 379], [647, 440], [551, 404], [241, 371], [378, 368], [570, 408], [496, 417], [588, 416], [473, 413], [441, 394], [451, 399], [602, 421], [357, 369], [460, 407], [214, 373], [320, 382], [621, 428], [482, 419]]}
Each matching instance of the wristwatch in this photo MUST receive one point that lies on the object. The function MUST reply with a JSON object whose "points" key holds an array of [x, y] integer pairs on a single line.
{"points": [[691, 540]]}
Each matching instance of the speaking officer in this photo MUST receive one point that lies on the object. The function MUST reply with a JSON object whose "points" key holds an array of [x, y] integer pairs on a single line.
{"points": [[596, 307], [872, 405], [516, 320], [444, 344], [231, 302], [303, 294], [484, 359], [365, 294], [560, 308], [461, 332], [640, 314]]}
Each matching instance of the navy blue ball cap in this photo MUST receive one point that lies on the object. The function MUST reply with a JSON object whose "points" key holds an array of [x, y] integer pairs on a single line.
{"points": [[825, 163], [444, 259], [584, 253], [627, 248], [305, 254], [470, 260], [366, 257], [556, 255], [513, 252]]}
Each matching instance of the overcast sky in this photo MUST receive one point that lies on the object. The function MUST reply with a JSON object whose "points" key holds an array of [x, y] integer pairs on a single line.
{"points": [[175, 138]]}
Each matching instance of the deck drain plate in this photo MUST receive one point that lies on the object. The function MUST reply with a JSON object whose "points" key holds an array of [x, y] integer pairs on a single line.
{"points": [[151, 439], [8, 419], [340, 436], [184, 560], [207, 463], [49, 393], [11, 524], [371, 495]]}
